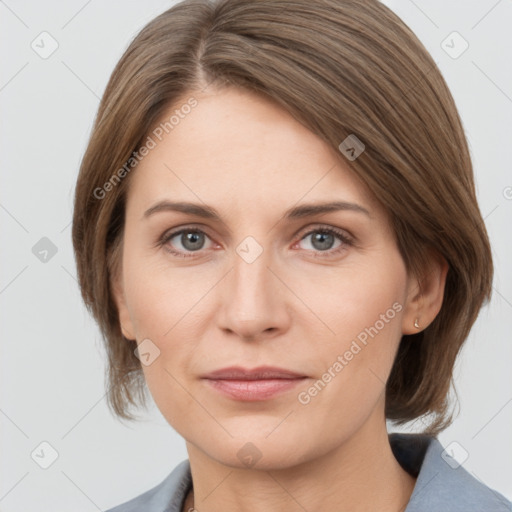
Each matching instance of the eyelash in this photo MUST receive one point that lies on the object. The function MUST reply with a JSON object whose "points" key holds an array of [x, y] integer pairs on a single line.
{"points": [[345, 239]]}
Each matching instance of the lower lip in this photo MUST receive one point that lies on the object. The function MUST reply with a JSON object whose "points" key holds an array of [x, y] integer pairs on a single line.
{"points": [[253, 390]]}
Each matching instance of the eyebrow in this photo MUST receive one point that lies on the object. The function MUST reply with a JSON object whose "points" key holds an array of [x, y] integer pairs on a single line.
{"points": [[297, 212]]}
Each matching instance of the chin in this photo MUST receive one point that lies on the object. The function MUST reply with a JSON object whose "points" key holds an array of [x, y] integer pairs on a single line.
{"points": [[259, 453]]}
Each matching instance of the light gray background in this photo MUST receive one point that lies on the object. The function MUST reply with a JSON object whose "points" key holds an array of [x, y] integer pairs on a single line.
{"points": [[52, 361]]}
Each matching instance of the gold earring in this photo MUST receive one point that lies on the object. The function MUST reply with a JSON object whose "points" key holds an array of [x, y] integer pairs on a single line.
{"points": [[416, 324]]}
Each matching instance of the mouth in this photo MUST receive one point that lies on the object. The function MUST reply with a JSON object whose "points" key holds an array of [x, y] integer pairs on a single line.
{"points": [[258, 384]]}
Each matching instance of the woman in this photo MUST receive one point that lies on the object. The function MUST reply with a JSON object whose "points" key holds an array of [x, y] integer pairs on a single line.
{"points": [[277, 231]]}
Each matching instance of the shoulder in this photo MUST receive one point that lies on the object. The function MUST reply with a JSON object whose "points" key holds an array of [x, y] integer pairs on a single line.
{"points": [[167, 496], [442, 483]]}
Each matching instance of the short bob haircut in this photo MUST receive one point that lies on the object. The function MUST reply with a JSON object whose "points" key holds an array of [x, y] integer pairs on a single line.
{"points": [[340, 67]]}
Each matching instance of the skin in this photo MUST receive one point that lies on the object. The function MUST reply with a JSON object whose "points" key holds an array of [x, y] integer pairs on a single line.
{"points": [[299, 305]]}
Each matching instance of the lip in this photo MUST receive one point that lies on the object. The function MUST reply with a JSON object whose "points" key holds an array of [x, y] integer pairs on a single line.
{"points": [[254, 384], [259, 373]]}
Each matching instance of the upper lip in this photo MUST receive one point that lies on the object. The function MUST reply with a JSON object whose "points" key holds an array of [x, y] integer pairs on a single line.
{"points": [[259, 373]]}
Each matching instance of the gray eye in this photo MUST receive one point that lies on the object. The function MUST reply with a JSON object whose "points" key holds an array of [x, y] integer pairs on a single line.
{"points": [[191, 240], [322, 241]]}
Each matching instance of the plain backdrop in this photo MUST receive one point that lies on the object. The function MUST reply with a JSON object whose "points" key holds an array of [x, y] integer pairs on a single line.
{"points": [[52, 360]]}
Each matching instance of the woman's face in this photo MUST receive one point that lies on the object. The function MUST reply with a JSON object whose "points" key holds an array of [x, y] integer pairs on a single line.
{"points": [[263, 283]]}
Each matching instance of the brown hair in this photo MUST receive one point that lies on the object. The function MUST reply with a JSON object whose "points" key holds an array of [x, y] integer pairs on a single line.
{"points": [[340, 67]]}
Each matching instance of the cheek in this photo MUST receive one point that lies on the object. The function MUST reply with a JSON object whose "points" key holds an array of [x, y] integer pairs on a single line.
{"points": [[352, 299], [159, 296], [166, 307], [163, 312], [362, 306]]}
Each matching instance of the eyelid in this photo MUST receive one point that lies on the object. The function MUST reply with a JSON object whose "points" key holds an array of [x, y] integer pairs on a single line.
{"points": [[169, 234], [325, 227]]}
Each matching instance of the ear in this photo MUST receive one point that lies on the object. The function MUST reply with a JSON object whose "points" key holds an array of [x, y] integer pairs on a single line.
{"points": [[125, 320], [425, 294]]}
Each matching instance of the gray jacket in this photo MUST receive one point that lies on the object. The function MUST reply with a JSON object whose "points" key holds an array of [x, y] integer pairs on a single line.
{"points": [[442, 484]]}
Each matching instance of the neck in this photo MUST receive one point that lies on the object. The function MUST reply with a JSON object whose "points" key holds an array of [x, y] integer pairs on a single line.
{"points": [[360, 474]]}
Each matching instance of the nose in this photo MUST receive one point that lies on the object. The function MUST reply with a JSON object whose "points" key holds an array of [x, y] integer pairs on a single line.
{"points": [[253, 303]]}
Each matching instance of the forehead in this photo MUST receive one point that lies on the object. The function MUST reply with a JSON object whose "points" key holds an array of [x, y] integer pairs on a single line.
{"points": [[237, 146]]}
